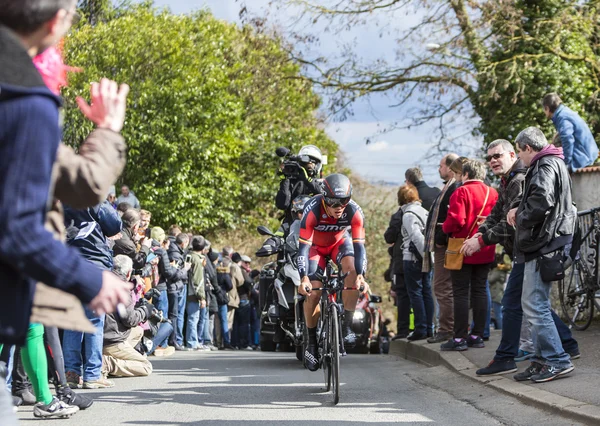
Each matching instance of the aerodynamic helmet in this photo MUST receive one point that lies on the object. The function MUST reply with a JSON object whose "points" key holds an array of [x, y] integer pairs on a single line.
{"points": [[337, 190]]}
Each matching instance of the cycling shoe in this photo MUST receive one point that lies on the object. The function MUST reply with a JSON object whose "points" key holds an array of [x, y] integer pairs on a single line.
{"points": [[311, 358]]}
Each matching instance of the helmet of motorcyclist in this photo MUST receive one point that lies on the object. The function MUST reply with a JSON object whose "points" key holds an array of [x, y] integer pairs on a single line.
{"points": [[314, 156], [337, 190], [299, 203]]}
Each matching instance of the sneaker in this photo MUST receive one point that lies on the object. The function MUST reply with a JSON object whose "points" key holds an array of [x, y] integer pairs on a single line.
{"points": [[178, 347], [475, 342], [349, 336], [497, 367], [439, 338], [523, 356], [26, 396], [101, 383], [66, 395], [164, 352], [399, 336], [533, 369], [55, 408], [203, 348], [455, 345], [228, 348], [416, 336], [74, 380], [548, 373], [311, 357], [17, 401], [575, 354]]}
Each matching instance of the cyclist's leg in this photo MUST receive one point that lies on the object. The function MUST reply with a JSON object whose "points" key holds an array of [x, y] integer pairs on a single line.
{"points": [[344, 256], [316, 268]]}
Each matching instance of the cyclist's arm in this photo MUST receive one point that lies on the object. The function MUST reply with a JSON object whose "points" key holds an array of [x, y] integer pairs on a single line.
{"points": [[358, 242], [309, 220]]}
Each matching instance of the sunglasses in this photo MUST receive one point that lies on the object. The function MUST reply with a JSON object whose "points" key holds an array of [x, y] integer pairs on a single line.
{"points": [[489, 158], [337, 202]]}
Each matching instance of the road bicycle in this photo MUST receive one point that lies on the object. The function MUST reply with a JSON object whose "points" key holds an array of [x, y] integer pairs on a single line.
{"points": [[330, 340], [579, 291]]}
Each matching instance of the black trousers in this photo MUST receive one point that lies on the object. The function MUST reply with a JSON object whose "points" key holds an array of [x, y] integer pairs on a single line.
{"points": [[473, 278]]}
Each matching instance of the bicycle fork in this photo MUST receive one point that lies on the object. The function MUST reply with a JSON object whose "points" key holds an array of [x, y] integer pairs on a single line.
{"points": [[338, 312]]}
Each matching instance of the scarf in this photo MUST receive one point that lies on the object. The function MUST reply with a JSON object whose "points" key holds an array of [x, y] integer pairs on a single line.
{"points": [[430, 234]]}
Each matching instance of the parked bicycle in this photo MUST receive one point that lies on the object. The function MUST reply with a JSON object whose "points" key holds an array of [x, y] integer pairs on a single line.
{"points": [[579, 291]]}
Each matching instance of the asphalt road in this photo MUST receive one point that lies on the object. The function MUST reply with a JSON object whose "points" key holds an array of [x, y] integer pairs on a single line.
{"points": [[269, 389]]}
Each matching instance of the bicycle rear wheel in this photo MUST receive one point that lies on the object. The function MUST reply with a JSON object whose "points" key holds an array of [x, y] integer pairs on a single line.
{"points": [[576, 300], [335, 354]]}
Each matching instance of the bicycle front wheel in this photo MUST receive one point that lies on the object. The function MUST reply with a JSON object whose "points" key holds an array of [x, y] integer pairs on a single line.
{"points": [[335, 354], [326, 356], [576, 300]]}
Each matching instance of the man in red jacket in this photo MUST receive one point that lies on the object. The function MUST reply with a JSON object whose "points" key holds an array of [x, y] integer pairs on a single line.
{"points": [[469, 206]]}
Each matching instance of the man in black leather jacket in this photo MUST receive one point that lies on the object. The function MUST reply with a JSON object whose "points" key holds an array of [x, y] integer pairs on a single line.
{"points": [[545, 223]]}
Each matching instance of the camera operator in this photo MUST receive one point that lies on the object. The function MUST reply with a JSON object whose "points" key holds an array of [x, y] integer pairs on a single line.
{"points": [[126, 245], [300, 178], [122, 334]]}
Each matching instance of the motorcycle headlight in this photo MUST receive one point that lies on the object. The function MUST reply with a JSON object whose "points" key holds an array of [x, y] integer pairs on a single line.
{"points": [[359, 315]]}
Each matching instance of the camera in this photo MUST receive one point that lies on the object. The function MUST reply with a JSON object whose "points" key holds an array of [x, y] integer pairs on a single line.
{"points": [[291, 167]]}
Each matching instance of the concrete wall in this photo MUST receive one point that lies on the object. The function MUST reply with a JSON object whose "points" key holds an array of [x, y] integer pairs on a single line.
{"points": [[586, 188]]}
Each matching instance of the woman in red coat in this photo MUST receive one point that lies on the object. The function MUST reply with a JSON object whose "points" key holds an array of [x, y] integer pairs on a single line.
{"points": [[469, 206]]}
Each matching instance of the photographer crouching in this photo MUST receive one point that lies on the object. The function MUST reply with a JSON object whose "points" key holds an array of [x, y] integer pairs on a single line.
{"points": [[122, 333], [300, 177]]}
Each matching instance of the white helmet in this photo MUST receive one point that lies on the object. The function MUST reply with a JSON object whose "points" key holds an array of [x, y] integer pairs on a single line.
{"points": [[314, 153]]}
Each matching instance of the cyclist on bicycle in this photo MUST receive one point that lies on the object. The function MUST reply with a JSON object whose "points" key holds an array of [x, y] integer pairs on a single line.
{"points": [[324, 234]]}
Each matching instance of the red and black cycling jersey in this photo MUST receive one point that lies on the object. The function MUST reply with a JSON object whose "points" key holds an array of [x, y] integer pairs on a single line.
{"points": [[320, 230]]}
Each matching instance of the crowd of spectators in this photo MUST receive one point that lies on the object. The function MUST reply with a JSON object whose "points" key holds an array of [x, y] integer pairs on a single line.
{"points": [[512, 238]]}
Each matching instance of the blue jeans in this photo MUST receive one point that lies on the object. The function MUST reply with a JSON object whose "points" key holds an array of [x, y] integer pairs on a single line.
{"points": [[255, 326], [181, 301], [224, 325], [418, 287], [163, 304], [92, 360], [203, 338], [241, 324], [512, 316], [193, 316], [537, 310], [162, 336]]}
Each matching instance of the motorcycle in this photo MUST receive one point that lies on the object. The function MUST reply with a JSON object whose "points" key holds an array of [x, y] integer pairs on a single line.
{"points": [[367, 323], [282, 318]]}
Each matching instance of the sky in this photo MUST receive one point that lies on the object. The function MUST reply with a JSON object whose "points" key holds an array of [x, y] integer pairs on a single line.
{"points": [[388, 154]]}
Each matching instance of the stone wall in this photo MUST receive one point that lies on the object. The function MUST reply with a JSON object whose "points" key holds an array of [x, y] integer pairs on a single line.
{"points": [[586, 188]]}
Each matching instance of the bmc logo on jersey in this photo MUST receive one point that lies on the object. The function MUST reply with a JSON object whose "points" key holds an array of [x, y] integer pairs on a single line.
{"points": [[330, 228]]}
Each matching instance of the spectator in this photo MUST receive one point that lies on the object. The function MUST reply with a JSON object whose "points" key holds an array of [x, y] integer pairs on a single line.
{"points": [[129, 236], [196, 297], [393, 236], [145, 217], [471, 202], [216, 295], [174, 231], [417, 282], [122, 334], [578, 144], [243, 314], [237, 280], [177, 288], [436, 242], [166, 272], [497, 280], [427, 194], [28, 152], [545, 222], [122, 208], [87, 230], [222, 321], [129, 197], [112, 197]]}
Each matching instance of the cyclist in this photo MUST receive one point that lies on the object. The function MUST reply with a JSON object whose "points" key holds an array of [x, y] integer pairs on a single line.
{"points": [[324, 234]]}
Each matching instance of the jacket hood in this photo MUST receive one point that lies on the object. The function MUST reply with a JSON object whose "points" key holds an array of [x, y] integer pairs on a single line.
{"points": [[18, 75], [548, 150]]}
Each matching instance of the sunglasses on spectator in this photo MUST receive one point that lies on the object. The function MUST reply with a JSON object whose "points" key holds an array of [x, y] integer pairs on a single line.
{"points": [[337, 202], [489, 158]]}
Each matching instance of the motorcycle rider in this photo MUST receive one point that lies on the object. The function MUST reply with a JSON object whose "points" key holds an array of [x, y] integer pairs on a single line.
{"points": [[324, 234], [305, 184]]}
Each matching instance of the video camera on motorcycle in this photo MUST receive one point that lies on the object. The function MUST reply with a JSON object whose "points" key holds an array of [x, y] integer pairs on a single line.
{"points": [[291, 167]]}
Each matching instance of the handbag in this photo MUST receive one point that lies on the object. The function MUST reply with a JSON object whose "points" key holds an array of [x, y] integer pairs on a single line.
{"points": [[453, 260], [551, 266]]}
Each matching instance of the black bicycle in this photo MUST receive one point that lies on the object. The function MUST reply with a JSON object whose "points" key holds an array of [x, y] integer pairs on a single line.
{"points": [[579, 290], [330, 340]]}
